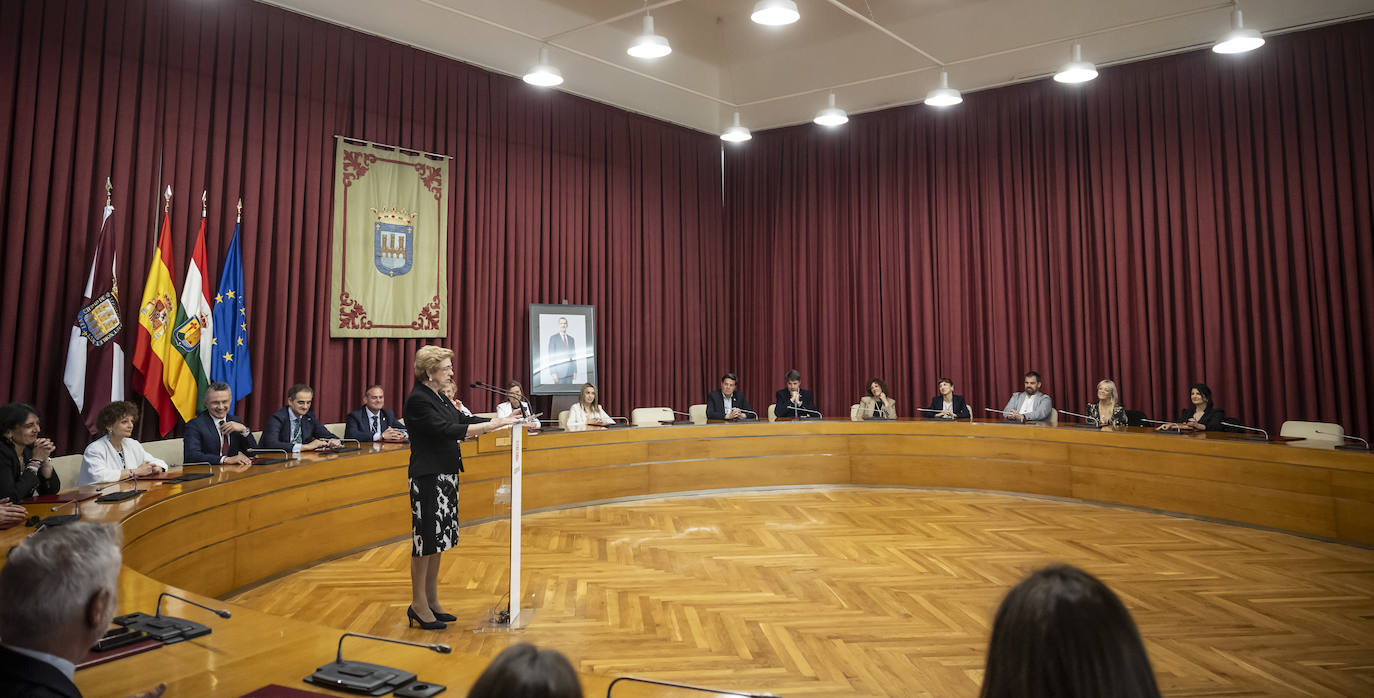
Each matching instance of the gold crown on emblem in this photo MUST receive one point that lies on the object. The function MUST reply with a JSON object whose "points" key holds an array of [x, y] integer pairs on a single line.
{"points": [[392, 214]]}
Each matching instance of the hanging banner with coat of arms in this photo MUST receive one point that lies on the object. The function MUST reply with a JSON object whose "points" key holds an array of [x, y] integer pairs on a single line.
{"points": [[389, 276]]}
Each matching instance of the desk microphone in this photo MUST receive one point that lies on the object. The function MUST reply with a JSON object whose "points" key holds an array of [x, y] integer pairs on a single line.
{"points": [[934, 412], [997, 411], [1347, 447], [525, 405], [122, 494], [253, 453], [59, 519], [157, 610], [356, 445], [167, 629], [362, 677], [1242, 426], [796, 409], [685, 686], [688, 415], [1154, 421], [741, 409], [1092, 419]]}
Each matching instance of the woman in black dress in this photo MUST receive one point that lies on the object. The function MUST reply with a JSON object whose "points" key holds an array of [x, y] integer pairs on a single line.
{"points": [[24, 456], [1199, 415], [435, 426]]}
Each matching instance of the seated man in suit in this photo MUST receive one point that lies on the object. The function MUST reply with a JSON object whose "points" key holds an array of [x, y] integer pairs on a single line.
{"points": [[793, 401], [728, 403], [1030, 405], [57, 597], [294, 428], [215, 436], [372, 422]]}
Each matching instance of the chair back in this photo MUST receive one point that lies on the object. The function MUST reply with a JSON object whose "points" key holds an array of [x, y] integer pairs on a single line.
{"points": [[1054, 418], [336, 428], [772, 413], [68, 469], [854, 412], [563, 419], [698, 413], [650, 416], [170, 450], [1333, 433]]}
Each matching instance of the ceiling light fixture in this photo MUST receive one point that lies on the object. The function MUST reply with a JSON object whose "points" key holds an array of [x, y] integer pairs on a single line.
{"points": [[832, 115], [1077, 70], [736, 133], [944, 95], [543, 73], [1240, 39], [649, 44], [775, 12]]}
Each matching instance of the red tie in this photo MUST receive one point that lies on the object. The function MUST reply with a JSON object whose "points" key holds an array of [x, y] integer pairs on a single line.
{"points": [[223, 442]]}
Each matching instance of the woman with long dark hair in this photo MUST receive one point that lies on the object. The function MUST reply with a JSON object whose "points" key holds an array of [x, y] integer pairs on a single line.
{"points": [[1061, 633], [25, 466]]}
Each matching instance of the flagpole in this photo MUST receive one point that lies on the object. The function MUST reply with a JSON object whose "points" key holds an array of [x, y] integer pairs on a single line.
{"points": [[239, 217]]}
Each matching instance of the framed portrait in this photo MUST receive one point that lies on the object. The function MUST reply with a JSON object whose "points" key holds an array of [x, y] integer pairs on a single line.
{"points": [[562, 348]]}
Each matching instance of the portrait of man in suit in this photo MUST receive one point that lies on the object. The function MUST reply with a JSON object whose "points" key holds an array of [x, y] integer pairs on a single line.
{"points": [[562, 348], [562, 355]]}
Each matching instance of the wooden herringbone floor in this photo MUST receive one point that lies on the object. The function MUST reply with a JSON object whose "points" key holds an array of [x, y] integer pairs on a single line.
{"points": [[873, 591]]}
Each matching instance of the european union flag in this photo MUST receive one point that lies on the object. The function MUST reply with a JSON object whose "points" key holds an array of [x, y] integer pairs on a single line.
{"points": [[230, 344]]}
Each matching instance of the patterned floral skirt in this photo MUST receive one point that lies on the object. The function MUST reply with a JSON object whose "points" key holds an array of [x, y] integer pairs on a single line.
{"points": [[433, 514]]}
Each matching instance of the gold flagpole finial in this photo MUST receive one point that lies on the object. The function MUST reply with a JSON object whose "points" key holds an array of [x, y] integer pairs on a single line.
{"points": [[109, 189], [203, 193], [239, 218], [167, 207]]}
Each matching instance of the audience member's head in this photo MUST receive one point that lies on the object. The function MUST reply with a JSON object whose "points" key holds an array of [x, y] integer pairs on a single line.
{"points": [[1062, 633], [525, 671], [58, 589]]}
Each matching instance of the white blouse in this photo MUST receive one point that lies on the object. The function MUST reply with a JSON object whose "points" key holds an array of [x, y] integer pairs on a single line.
{"points": [[504, 410], [100, 462], [578, 417]]}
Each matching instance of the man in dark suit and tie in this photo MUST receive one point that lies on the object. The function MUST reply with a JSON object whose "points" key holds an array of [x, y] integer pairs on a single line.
{"points": [[372, 422], [728, 403], [294, 428], [215, 436], [561, 355], [793, 401]]}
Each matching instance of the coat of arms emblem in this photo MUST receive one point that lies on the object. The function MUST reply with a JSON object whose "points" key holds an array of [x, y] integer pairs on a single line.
{"points": [[155, 312], [393, 238]]}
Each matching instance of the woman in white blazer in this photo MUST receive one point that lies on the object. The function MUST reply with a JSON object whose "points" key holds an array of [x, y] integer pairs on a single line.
{"points": [[113, 456], [588, 410]]}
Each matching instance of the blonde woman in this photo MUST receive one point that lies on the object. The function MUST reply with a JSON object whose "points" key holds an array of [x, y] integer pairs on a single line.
{"points": [[435, 425], [1108, 403], [588, 410]]}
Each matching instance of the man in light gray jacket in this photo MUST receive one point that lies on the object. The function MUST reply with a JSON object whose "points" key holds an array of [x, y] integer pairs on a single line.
{"points": [[1030, 405]]}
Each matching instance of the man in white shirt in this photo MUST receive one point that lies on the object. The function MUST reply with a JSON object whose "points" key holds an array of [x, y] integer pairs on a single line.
{"points": [[215, 436], [1031, 405], [48, 626]]}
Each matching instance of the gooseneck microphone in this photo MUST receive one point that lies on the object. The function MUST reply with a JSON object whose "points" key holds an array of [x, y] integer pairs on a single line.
{"points": [[525, 405], [1094, 420], [1347, 447], [433, 647], [687, 687], [741, 409], [1242, 426], [59, 519], [157, 611], [122, 494], [362, 677]]}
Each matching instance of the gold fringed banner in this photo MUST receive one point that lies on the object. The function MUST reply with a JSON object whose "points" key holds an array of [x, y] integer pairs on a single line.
{"points": [[389, 276]]}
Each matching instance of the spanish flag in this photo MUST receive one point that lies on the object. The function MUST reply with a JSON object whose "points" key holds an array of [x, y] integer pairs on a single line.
{"points": [[157, 311]]}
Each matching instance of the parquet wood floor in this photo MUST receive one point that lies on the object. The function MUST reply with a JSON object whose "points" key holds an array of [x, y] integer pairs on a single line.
{"points": [[853, 591]]}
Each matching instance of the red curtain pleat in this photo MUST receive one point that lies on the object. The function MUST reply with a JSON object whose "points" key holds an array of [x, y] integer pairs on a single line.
{"points": [[1193, 218]]}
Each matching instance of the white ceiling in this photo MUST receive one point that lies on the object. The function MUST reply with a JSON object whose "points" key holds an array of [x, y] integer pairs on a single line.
{"points": [[722, 62]]}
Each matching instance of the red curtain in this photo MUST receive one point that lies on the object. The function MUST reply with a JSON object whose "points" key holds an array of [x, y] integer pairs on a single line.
{"points": [[554, 197], [1194, 218]]}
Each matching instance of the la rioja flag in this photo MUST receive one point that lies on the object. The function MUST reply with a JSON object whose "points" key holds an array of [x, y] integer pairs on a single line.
{"points": [[95, 361]]}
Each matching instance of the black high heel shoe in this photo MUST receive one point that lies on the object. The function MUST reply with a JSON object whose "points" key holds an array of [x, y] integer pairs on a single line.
{"points": [[446, 617], [414, 618]]}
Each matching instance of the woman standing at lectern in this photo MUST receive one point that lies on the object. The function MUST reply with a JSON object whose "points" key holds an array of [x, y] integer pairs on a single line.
{"points": [[435, 426]]}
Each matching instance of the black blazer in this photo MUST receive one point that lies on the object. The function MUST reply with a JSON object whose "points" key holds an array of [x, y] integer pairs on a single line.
{"points": [[937, 403], [1212, 418], [358, 425], [16, 482], [277, 432], [782, 406], [201, 444], [715, 404], [435, 427], [22, 676]]}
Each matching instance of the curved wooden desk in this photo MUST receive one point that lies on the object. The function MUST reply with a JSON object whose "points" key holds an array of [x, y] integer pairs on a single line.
{"points": [[244, 525]]}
